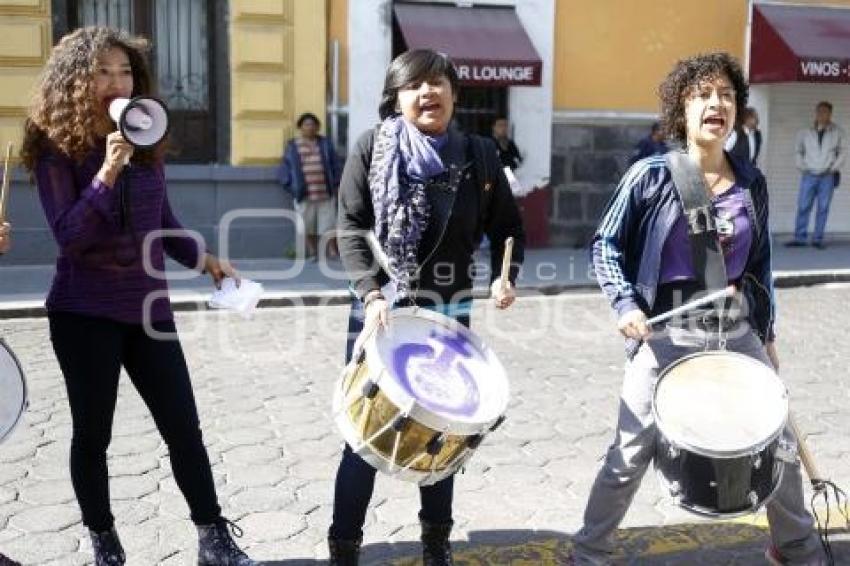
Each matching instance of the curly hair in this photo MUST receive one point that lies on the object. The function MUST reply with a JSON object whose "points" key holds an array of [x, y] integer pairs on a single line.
{"points": [[686, 76], [63, 110]]}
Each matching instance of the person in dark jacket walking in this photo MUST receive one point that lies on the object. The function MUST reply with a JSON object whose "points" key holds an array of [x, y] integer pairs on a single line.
{"points": [[509, 153], [417, 185], [643, 260], [745, 140], [653, 144], [105, 202], [310, 171]]}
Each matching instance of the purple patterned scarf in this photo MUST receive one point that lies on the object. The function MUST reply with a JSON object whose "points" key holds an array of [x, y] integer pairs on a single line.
{"points": [[403, 159]]}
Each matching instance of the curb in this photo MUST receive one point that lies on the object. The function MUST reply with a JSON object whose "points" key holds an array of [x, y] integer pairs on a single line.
{"points": [[189, 302]]}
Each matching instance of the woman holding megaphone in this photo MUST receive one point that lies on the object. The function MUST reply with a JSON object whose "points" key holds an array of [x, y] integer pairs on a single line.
{"points": [[106, 309]]}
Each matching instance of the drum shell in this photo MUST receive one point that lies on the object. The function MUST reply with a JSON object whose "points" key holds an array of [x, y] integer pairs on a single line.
{"points": [[364, 418], [719, 487]]}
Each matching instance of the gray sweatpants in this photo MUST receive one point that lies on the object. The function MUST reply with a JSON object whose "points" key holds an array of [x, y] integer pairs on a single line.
{"points": [[791, 525]]}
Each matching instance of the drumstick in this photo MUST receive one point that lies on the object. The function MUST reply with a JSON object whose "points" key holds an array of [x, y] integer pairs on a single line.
{"points": [[4, 191], [805, 454], [717, 295], [506, 263]]}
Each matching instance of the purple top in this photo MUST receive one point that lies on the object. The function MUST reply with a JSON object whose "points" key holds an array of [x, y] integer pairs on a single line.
{"points": [[733, 226], [99, 271]]}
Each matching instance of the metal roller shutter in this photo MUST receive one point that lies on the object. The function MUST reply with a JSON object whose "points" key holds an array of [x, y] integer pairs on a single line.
{"points": [[792, 108]]}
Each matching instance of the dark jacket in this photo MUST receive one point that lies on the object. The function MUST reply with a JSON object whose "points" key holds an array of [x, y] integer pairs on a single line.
{"points": [[647, 147], [741, 148], [291, 175], [454, 230], [628, 242], [510, 156]]}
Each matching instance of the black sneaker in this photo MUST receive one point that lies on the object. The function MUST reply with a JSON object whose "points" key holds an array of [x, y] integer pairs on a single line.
{"points": [[819, 245], [795, 244]]}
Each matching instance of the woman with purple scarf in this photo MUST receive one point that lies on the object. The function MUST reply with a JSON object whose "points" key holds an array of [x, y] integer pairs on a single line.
{"points": [[420, 191]]}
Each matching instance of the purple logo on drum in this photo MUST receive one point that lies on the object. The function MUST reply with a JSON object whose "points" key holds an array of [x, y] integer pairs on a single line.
{"points": [[436, 373]]}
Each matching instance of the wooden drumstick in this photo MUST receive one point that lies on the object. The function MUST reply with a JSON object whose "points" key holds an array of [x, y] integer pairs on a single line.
{"points": [[4, 191], [806, 456], [506, 263]]}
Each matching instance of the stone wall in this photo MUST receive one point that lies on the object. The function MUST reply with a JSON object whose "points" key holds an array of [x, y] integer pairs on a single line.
{"points": [[588, 159]]}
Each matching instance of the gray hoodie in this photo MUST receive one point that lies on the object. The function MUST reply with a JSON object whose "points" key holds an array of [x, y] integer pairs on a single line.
{"points": [[819, 158]]}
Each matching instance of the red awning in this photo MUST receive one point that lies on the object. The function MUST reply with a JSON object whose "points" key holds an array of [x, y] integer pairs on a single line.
{"points": [[800, 44], [488, 44]]}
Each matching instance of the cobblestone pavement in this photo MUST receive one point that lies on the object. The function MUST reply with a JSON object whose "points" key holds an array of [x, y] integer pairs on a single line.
{"points": [[264, 388]]}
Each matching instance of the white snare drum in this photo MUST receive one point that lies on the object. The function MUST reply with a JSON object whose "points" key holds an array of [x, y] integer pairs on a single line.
{"points": [[720, 417], [13, 391], [421, 397]]}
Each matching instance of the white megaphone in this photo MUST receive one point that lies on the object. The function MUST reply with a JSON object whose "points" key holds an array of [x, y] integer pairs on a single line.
{"points": [[143, 120]]}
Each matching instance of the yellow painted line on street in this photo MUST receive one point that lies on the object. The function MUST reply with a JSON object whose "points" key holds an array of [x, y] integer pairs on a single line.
{"points": [[630, 543]]}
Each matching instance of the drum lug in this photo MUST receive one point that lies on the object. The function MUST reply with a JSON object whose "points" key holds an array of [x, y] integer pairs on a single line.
{"points": [[435, 444], [370, 389], [675, 489], [756, 461], [400, 423], [673, 452]]}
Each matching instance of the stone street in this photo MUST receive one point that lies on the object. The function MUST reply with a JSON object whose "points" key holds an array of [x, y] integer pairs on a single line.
{"points": [[264, 385]]}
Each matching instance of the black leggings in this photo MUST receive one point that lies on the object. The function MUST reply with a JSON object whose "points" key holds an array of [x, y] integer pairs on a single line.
{"points": [[91, 352]]}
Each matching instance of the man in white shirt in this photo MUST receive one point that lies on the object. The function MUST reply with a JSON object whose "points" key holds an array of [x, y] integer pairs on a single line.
{"points": [[820, 153], [745, 141]]}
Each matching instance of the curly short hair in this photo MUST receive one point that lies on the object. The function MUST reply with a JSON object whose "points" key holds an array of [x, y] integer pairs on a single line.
{"points": [[63, 108], [687, 75]]}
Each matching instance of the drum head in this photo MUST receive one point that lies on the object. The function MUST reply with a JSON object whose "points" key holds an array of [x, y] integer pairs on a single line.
{"points": [[442, 366], [720, 404], [13, 399]]}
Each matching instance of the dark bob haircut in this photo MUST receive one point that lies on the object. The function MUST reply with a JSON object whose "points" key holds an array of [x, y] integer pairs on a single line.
{"points": [[687, 75], [307, 116], [411, 68]]}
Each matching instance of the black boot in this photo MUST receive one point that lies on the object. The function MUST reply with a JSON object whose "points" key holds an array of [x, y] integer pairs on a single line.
{"points": [[436, 550], [107, 548], [344, 552], [6, 561], [217, 548]]}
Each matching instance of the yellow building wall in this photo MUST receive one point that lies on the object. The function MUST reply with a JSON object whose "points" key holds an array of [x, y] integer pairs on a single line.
{"points": [[25, 34], [338, 31], [611, 55], [277, 72]]}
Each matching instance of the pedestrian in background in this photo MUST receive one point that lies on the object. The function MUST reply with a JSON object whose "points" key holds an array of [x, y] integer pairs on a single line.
{"points": [[509, 153], [820, 154], [653, 144], [310, 172], [745, 140]]}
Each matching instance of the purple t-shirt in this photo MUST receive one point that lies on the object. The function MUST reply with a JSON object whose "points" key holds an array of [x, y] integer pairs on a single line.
{"points": [[99, 270], [735, 233]]}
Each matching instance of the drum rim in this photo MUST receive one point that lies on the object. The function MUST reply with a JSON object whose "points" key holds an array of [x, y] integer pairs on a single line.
{"points": [[426, 416], [708, 452], [25, 392]]}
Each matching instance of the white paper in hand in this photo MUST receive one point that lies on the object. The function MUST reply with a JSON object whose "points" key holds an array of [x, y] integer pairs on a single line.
{"points": [[242, 299]]}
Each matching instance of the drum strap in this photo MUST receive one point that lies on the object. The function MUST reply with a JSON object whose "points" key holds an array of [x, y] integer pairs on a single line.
{"points": [[709, 265]]}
